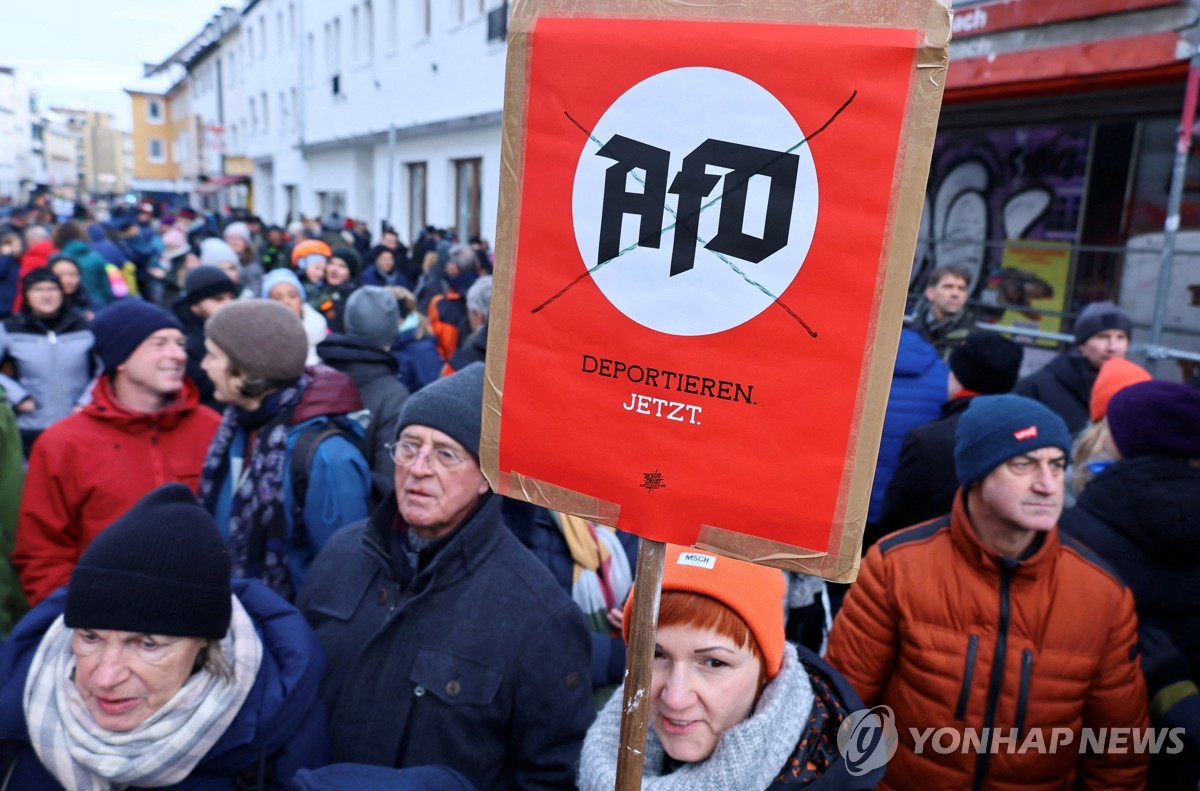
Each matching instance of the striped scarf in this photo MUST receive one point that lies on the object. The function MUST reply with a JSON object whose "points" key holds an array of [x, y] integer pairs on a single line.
{"points": [[602, 575], [161, 751]]}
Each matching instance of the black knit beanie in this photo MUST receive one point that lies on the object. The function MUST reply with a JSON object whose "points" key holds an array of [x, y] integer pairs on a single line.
{"points": [[160, 568], [453, 405], [986, 363], [206, 281], [351, 257]]}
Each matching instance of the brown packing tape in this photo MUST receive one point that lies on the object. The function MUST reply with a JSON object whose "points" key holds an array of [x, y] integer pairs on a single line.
{"points": [[840, 560]]}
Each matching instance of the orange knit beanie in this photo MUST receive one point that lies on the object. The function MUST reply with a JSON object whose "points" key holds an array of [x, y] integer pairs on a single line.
{"points": [[1116, 374], [755, 593]]}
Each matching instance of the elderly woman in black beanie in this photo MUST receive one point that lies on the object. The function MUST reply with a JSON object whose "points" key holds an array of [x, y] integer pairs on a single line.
{"points": [[152, 670]]}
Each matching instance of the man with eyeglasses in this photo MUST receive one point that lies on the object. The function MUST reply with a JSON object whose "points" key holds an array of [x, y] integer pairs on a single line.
{"points": [[992, 624], [447, 641]]}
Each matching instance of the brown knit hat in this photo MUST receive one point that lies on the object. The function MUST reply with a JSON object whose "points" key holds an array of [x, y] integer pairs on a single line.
{"points": [[262, 337], [755, 593]]}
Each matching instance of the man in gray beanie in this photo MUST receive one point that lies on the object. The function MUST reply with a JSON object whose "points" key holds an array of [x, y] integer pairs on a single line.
{"points": [[990, 621], [362, 352], [433, 607], [1064, 384]]}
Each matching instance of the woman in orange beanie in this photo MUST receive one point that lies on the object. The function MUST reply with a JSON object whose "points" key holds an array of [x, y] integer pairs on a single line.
{"points": [[732, 705]]}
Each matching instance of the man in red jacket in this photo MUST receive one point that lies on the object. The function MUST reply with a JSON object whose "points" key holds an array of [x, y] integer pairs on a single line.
{"points": [[144, 427], [996, 642]]}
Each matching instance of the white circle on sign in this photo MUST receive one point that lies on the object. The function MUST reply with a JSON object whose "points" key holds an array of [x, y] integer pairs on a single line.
{"points": [[677, 111]]}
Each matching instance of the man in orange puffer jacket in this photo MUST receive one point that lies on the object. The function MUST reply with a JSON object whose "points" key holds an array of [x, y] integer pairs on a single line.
{"points": [[990, 624]]}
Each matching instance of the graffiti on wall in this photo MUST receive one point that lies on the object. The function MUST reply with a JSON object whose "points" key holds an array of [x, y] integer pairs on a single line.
{"points": [[988, 191]]}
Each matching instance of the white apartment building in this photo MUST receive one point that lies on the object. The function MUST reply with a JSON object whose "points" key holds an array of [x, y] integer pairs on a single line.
{"points": [[18, 164], [310, 92]]}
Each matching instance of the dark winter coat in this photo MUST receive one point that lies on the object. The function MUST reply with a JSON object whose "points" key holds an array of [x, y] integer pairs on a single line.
{"points": [[281, 722], [418, 359], [1065, 385], [10, 273], [1142, 516], [374, 372], [536, 529], [340, 777], [918, 390], [477, 661], [193, 333], [474, 350], [925, 481]]}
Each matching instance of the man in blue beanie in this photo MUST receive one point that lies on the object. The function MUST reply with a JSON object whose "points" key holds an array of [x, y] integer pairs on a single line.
{"points": [[448, 642], [143, 428], [991, 623]]}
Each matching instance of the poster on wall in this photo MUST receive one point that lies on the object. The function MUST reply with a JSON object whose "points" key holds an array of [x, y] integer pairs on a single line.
{"points": [[707, 220]]}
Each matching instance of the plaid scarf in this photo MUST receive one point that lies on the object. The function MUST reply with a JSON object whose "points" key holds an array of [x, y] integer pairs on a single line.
{"points": [[602, 576], [161, 751], [258, 520]]}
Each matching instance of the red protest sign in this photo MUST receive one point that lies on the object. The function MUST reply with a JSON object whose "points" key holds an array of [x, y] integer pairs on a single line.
{"points": [[685, 339]]}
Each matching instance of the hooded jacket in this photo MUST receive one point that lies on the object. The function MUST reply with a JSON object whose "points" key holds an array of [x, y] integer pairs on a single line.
{"points": [[89, 468], [339, 479], [1065, 385], [93, 268], [279, 729], [949, 634], [481, 658]]}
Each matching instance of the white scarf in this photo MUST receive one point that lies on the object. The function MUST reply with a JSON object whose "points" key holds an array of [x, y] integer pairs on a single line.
{"points": [[161, 751], [748, 756]]}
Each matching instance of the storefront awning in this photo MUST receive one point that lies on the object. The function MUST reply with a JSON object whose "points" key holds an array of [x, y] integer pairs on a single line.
{"points": [[219, 183]]}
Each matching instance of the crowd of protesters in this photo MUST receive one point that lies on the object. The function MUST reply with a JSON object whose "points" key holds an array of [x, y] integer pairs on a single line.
{"points": [[241, 494]]}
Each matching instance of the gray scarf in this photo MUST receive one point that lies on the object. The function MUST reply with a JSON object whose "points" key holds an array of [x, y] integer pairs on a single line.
{"points": [[748, 756], [161, 751]]}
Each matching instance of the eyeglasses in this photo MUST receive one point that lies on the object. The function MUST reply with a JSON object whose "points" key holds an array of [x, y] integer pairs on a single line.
{"points": [[405, 452]]}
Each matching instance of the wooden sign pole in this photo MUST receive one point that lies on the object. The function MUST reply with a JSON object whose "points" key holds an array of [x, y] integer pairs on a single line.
{"points": [[639, 664]]}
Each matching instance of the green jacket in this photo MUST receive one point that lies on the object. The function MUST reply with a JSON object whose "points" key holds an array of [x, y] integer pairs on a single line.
{"points": [[12, 479]]}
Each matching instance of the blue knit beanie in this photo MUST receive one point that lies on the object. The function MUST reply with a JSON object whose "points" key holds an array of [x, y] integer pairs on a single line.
{"points": [[996, 428], [453, 405], [122, 326], [281, 275]]}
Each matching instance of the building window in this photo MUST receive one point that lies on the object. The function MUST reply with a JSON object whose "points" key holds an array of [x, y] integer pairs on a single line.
{"points": [[262, 35], [337, 44], [295, 110], [266, 110], [158, 151], [154, 111], [392, 24], [253, 117], [279, 32], [311, 61], [424, 18], [368, 31], [467, 197], [355, 36], [416, 199]]}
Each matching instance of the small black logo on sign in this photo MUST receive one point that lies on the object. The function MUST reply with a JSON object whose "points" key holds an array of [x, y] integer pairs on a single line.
{"points": [[652, 481]]}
